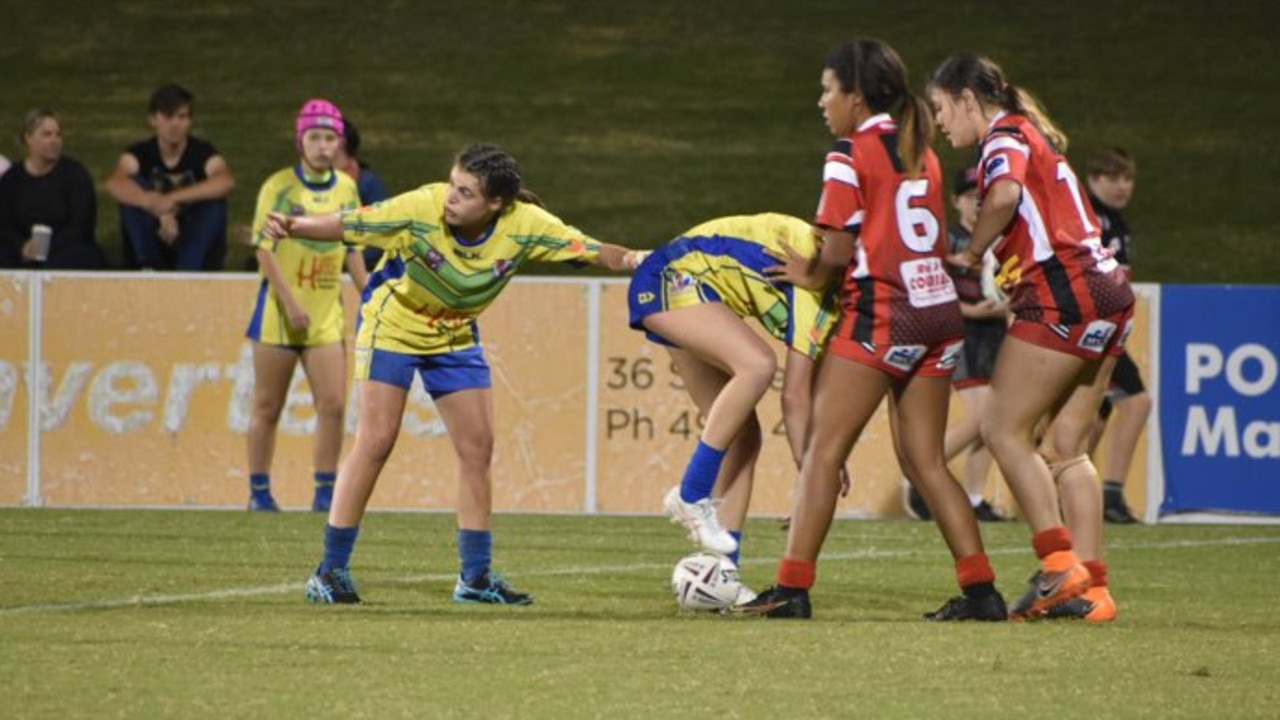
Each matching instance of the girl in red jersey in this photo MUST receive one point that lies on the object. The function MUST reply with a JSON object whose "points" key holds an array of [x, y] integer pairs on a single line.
{"points": [[1072, 312], [882, 220]]}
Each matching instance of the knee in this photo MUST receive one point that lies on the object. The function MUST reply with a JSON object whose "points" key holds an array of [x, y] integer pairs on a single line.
{"points": [[374, 445], [759, 371], [330, 408], [1138, 405], [267, 410], [1067, 438], [476, 453]]}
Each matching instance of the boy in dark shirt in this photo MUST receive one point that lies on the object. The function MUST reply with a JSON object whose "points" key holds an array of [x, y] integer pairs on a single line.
{"points": [[172, 190]]}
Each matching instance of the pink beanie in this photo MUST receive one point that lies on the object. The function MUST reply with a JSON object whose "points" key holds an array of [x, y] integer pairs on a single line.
{"points": [[319, 113]]}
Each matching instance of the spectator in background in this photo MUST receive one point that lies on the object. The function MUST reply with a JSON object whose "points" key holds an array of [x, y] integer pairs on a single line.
{"points": [[48, 189], [1110, 182], [172, 190], [368, 183], [4, 165]]}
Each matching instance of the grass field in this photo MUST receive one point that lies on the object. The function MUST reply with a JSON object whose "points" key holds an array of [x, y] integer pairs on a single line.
{"points": [[637, 120], [200, 614]]}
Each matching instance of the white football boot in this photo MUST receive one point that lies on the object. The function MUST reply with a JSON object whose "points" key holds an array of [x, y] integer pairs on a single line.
{"points": [[700, 519]]}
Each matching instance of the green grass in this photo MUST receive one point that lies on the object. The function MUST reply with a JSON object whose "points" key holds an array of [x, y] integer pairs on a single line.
{"points": [[200, 614], [636, 120]]}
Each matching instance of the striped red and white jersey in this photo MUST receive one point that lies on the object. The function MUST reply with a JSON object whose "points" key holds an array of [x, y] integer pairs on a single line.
{"points": [[897, 291], [1051, 259]]}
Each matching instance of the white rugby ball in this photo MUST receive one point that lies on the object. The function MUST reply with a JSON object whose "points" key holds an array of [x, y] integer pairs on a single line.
{"points": [[705, 581]]}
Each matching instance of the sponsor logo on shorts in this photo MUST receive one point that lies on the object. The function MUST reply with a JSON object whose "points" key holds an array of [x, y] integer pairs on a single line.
{"points": [[950, 356], [905, 357], [646, 298], [1096, 335]]}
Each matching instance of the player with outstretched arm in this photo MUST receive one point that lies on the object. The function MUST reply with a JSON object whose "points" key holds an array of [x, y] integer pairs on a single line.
{"points": [[452, 247]]}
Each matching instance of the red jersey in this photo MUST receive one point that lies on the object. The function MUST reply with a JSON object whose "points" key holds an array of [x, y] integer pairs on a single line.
{"points": [[898, 291], [1051, 258]]}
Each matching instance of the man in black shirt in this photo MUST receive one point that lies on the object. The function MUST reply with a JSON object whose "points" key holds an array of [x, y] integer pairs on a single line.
{"points": [[172, 190], [1110, 180]]}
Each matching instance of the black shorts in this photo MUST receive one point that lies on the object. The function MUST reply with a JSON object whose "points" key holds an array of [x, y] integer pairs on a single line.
{"points": [[982, 340], [1126, 379]]}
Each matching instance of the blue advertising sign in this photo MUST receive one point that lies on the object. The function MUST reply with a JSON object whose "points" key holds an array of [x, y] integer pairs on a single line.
{"points": [[1220, 398]]}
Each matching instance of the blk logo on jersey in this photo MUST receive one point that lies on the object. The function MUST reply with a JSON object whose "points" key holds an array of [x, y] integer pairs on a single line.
{"points": [[905, 357], [1096, 336]]}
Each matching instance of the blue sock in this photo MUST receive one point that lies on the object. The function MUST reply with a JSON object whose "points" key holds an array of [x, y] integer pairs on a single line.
{"points": [[326, 479], [737, 535], [700, 474], [260, 483], [475, 548], [338, 544]]}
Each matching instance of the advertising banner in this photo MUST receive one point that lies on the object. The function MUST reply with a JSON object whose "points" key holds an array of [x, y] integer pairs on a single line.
{"points": [[1219, 399]]}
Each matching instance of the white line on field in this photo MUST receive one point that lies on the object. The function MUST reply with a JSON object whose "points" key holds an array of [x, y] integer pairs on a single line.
{"points": [[138, 601]]}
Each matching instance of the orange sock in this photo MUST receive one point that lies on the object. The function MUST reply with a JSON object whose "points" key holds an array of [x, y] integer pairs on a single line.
{"points": [[797, 574], [974, 569], [1047, 542], [1097, 572]]}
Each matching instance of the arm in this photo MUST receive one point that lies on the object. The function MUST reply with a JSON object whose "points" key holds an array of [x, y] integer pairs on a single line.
{"points": [[218, 184], [797, 400], [997, 210], [356, 268], [326, 228], [298, 317], [124, 190], [835, 253], [620, 259], [984, 310]]}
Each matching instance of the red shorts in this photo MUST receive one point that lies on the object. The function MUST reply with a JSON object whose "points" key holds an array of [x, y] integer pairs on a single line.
{"points": [[1090, 340], [901, 361]]}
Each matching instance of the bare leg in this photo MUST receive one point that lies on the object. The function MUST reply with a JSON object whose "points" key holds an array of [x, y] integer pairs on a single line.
{"points": [[468, 415], [272, 372], [380, 412], [846, 395], [326, 368], [1028, 382]]}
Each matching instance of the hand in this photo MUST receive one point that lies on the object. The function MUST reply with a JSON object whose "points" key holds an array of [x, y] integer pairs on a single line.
{"points": [[29, 251], [633, 258], [795, 269], [278, 226], [168, 228], [299, 320], [846, 481], [965, 261], [159, 204]]}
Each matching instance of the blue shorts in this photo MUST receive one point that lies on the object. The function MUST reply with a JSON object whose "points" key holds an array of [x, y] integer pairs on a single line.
{"points": [[656, 287], [441, 374]]}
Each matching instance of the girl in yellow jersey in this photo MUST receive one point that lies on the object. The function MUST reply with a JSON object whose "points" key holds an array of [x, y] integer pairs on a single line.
{"points": [[298, 315], [694, 295], [450, 249]]}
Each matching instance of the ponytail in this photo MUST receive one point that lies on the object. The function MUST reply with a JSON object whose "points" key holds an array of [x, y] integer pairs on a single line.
{"points": [[1022, 101], [525, 195], [915, 133]]}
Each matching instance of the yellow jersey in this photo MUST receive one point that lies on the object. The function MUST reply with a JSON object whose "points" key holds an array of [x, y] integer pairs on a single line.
{"points": [[312, 270], [432, 285]]}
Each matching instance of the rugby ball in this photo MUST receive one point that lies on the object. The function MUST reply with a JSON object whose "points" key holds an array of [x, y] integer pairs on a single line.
{"points": [[705, 581]]}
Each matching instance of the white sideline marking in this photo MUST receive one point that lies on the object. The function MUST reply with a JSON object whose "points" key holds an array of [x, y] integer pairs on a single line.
{"points": [[138, 601]]}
